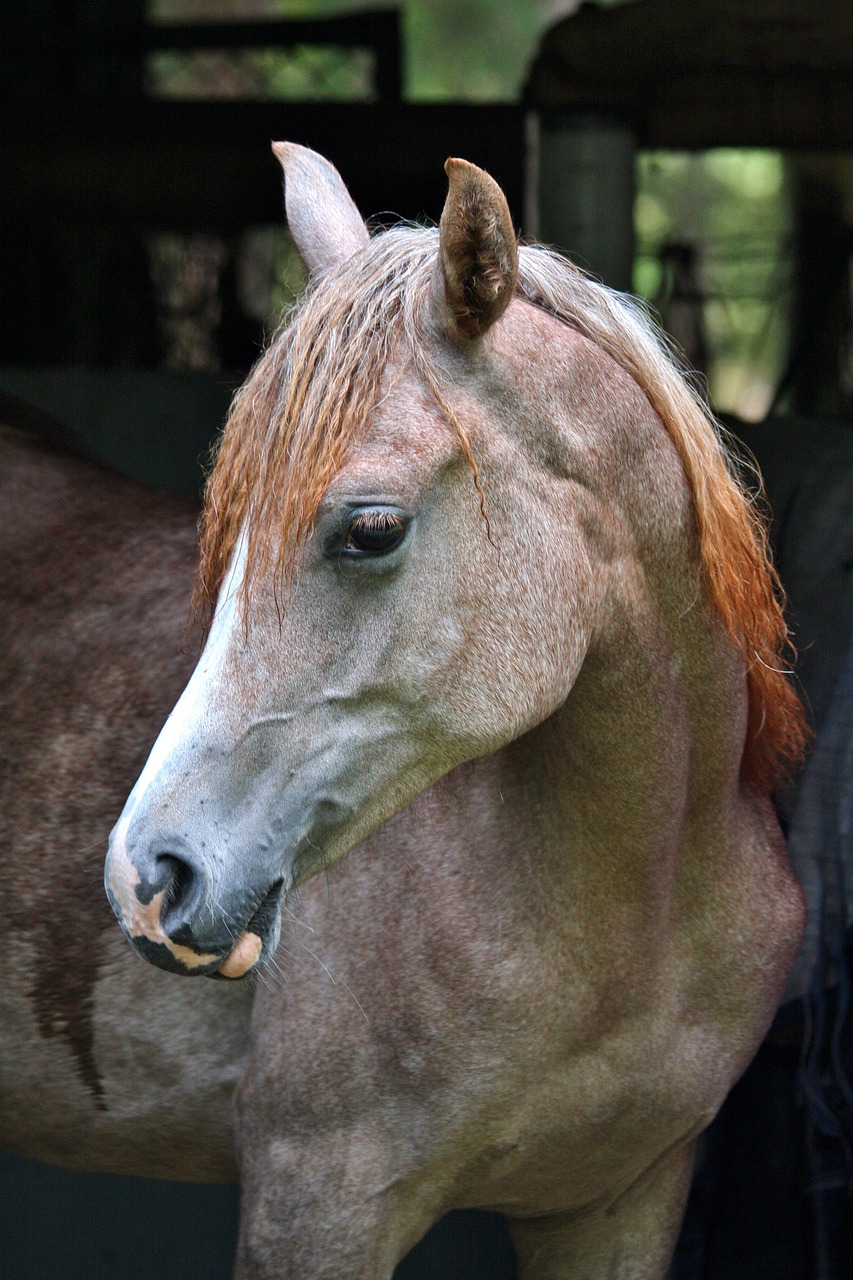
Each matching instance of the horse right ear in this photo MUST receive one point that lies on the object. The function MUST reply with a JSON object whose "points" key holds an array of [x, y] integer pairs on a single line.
{"points": [[478, 250], [325, 224]]}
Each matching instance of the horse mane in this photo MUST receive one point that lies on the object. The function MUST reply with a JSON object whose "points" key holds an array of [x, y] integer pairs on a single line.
{"points": [[311, 396]]}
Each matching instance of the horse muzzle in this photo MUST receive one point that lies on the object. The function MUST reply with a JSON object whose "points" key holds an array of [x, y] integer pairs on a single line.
{"points": [[168, 912]]}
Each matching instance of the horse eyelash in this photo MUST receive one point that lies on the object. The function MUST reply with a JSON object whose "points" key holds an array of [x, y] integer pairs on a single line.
{"points": [[371, 520]]}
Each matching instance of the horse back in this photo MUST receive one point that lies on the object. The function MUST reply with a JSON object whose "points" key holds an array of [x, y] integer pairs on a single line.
{"points": [[95, 579]]}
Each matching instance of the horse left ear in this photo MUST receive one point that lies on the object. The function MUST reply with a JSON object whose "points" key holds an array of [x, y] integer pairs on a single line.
{"points": [[325, 224], [479, 251]]}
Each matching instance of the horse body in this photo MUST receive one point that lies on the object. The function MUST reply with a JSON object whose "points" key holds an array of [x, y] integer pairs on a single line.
{"points": [[105, 1064], [481, 638]]}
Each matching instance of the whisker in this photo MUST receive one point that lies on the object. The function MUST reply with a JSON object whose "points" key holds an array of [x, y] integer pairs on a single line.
{"points": [[333, 978]]}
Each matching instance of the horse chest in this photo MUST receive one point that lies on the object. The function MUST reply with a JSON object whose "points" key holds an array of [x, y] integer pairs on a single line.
{"points": [[512, 1088]]}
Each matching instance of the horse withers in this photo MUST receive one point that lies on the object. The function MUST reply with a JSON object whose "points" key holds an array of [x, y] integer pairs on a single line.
{"points": [[489, 606]]}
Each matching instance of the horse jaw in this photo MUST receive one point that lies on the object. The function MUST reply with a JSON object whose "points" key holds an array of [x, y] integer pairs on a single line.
{"points": [[326, 226]]}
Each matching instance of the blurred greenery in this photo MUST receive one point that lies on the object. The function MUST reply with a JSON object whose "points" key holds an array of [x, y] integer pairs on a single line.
{"points": [[734, 209], [304, 73]]}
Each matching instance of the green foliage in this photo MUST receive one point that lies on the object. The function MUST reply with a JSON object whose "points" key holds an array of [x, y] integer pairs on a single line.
{"points": [[733, 207], [304, 73]]}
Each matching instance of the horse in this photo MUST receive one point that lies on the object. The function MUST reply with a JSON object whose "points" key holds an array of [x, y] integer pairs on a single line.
{"points": [[471, 780], [132, 1074]]}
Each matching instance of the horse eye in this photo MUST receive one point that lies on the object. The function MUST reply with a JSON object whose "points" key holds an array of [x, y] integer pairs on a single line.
{"points": [[374, 533]]}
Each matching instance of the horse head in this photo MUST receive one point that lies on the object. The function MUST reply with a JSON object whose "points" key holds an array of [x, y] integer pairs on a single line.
{"points": [[385, 613], [461, 473]]}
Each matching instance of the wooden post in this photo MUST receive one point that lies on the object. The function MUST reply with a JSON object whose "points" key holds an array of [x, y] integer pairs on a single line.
{"points": [[580, 191]]}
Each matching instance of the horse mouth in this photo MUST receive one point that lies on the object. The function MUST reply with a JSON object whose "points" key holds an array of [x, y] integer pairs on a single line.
{"points": [[257, 939]]}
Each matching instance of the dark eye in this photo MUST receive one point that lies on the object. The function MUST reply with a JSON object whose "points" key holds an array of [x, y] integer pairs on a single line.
{"points": [[374, 533]]}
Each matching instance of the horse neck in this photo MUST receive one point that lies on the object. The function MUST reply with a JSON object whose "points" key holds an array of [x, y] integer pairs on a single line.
{"points": [[607, 801], [653, 727]]}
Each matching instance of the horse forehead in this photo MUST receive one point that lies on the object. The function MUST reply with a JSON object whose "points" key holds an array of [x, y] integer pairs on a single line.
{"points": [[414, 434], [409, 437]]}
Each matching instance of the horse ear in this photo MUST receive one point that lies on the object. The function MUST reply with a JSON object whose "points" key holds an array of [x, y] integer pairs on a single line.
{"points": [[479, 251], [325, 224]]}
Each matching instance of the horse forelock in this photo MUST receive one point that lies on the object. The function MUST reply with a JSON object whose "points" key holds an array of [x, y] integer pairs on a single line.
{"points": [[312, 395], [306, 404]]}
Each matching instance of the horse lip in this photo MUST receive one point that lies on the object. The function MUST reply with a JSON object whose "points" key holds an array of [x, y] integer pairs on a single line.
{"points": [[242, 957], [264, 918], [254, 939]]}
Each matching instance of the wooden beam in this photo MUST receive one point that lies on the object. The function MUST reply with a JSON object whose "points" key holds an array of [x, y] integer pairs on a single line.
{"points": [[377, 30], [709, 73], [207, 166]]}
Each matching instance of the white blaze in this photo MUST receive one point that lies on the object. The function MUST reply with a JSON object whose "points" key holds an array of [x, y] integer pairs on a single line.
{"points": [[190, 709]]}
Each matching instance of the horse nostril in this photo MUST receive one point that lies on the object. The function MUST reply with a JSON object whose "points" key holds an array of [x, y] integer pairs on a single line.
{"points": [[179, 884]]}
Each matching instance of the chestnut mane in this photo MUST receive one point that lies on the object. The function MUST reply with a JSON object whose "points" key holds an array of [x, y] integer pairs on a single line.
{"points": [[311, 396]]}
